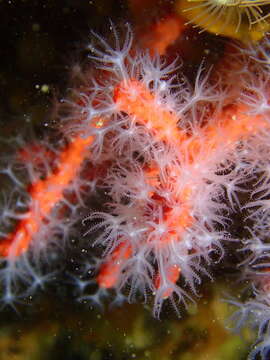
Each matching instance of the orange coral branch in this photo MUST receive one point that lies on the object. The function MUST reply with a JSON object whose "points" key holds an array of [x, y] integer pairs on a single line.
{"points": [[45, 194]]}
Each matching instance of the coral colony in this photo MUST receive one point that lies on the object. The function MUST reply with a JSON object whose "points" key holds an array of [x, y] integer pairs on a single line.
{"points": [[173, 163]]}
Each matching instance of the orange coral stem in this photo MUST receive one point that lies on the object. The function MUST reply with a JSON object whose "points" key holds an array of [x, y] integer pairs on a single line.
{"points": [[109, 271], [173, 273], [134, 98], [45, 194], [163, 34]]}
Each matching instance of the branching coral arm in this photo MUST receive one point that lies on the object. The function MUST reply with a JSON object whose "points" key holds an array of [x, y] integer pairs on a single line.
{"points": [[44, 195]]}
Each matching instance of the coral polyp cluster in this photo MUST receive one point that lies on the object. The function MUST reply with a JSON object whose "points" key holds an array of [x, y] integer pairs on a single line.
{"points": [[167, 160]]}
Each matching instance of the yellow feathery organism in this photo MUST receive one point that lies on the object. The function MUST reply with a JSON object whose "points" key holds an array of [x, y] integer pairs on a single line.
{"points": [[246, 20]]}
